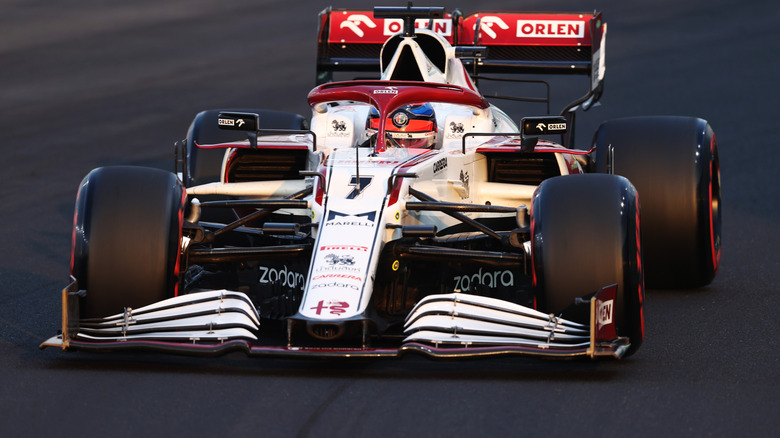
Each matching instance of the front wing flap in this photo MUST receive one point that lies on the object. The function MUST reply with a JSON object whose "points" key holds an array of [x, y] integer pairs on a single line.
{"points": [[456, 325]]}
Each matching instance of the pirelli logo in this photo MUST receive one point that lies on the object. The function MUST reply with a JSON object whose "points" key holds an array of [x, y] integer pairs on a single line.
{"points": [[343, 248]]}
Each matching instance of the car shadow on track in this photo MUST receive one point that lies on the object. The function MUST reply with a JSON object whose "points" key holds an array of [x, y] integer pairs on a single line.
{"points": [[407, 368]]}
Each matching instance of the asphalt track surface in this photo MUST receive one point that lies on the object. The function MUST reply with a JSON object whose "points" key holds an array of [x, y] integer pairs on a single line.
{"points": [[93, 83]]}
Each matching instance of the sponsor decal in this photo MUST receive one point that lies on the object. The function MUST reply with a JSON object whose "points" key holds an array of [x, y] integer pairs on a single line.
{"points": [[334, 307], [494, 279], [229, 122], [440, 165], [337, 268], [543, 128], [338, 128], [487, 23], [550, 29], [284, 276], [575, 167], [441, 26], [604, 313], [370, 163], [335, 223], [335, 284], [400, 119], [369, 215], [365, 181], [386, 90], [333, 259], [464, 178], [355, 22], [338, 277], [344, 248]]}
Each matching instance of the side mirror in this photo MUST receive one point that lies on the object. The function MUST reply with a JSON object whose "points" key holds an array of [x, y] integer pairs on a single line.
{"points": [[246, 122], [238, 121], [532, 127]]}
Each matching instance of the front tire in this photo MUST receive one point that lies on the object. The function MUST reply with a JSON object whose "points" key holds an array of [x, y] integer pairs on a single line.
{"points": [[126, 238], [585, 231]]}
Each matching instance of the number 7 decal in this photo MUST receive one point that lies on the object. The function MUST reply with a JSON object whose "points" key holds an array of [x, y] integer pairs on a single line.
{"points": [[365, 181]]}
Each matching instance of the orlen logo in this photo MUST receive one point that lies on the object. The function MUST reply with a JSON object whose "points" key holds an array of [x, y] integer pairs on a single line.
{"points": [[231, 122], [486, 25], [605, 313], [354, 21], [550, 29], [441, 26], [386, 90]]}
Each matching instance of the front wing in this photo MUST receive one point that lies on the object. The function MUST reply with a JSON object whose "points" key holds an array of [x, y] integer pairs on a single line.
{"points": [[456, 325]]}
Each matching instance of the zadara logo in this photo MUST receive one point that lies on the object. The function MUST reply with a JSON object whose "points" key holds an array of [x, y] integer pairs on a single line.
{"points": [[335, 284], [494, 279], [354, 23], [284, 276]]}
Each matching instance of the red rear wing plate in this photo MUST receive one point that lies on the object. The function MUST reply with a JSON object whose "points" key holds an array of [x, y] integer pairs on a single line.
{"points": [[351, 40]]}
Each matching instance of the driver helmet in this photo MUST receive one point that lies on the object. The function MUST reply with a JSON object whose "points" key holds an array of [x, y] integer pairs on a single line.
{"points": [[411, 126]]}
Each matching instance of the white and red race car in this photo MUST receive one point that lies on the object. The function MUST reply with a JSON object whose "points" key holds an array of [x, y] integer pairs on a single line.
{"points": [[408, 214]]}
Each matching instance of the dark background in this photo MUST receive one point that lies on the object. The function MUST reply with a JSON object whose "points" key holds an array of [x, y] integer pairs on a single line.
{"points": [[91, 83]]}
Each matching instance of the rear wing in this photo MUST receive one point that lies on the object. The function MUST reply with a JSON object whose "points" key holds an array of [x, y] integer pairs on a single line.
{"points": [[350, 40]]}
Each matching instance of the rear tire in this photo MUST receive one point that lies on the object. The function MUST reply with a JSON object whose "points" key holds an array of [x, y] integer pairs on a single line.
{"points": [[673, 163], [585, 231], [126, 238]]}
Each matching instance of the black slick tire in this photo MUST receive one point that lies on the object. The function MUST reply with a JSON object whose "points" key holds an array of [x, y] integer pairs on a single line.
{"points": [[585, 231], [673, 163], [126, 238]]}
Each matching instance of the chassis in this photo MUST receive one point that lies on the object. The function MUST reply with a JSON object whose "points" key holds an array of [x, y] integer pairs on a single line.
{"points": [[282, 236]]}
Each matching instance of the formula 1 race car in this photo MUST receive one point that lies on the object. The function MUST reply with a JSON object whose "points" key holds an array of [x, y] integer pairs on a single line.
{"points": [[408, 214]]}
